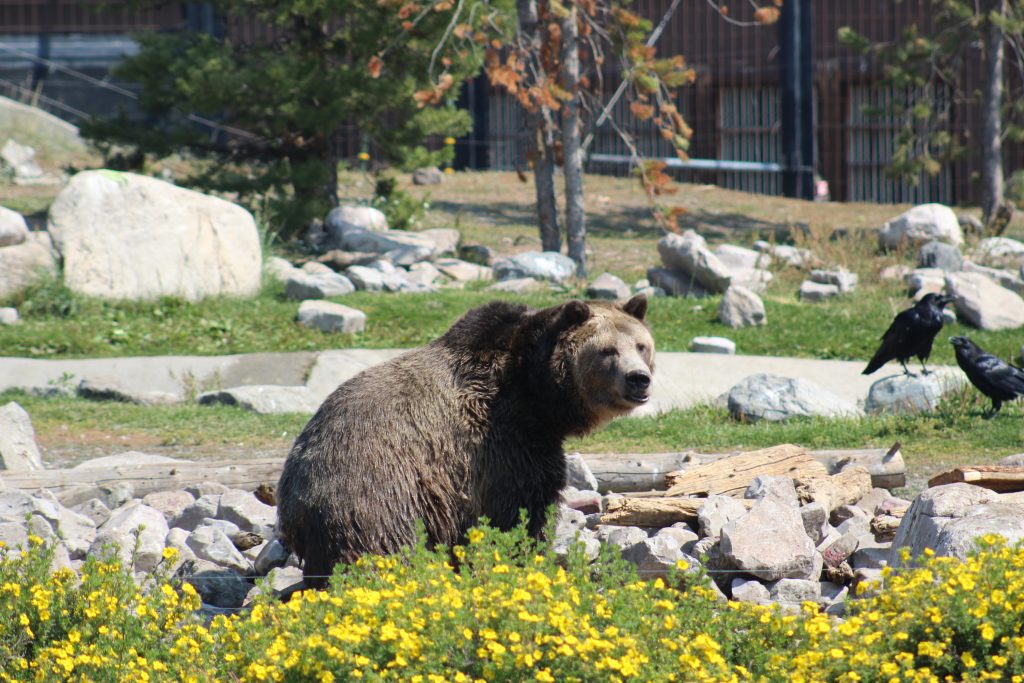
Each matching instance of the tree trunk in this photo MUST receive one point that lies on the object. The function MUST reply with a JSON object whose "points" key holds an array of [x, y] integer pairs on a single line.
{"points": [[575, 218], [993, 45], [537, 138]]}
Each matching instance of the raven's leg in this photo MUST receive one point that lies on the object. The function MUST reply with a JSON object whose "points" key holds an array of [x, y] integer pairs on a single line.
{"points": [[924, 368], [906, 372], [996, 405]]}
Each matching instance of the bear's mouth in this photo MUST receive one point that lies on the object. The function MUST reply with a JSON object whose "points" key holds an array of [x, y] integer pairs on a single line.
{"points": [[639, 399]]}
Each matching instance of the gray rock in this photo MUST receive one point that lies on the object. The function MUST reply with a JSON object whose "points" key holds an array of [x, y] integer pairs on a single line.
{"points": [[477, 253], [713, 345], [901, 395], [170, 503], [754, 279], [212, 544], [8, 315], [21, 159], [22, 264], [18, 449], [13, 228], [770, 543], [215, 585], [518, 285], [430, 175], [689, 254], [94, 509], [265, 399], [869, 558], [204, 507], [622, 536], [749, 590], [984, 304], [330, 317], [134, 523], [782, 490], [679, 533], [815, 518], [998, 251], [1009, 278], [932, 510], [47, 518], [939, 255], [578, 473], [116, 494], [571, 530], [248, 512], [401, 247], [207, 488], [127, 236], [279, 269], [814, 291], [14, 536], [921, 281], [446, 240], [774, 398], [920, 224], [423, 274], [109, 389], [302, 285], [676, 283], [346, 219], [795, 257], [716, 512], [795, 592], [366, 279], [608, 286], [896, 271], [960, 535], [464, 271], [272, 555], [740, 258], [741, 307], [840, 277], [654, 557], [547, 265]]}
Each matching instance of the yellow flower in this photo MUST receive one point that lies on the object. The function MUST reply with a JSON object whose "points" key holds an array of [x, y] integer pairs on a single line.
{"points": [[449, 141], [170, 553], [987, 632], [449, 170], [363, 156], [544, 676], [475, 535], [968, 660]]}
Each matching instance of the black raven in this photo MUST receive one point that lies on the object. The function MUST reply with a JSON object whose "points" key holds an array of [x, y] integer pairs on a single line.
{"points": [[993, 377], [911, 334]]}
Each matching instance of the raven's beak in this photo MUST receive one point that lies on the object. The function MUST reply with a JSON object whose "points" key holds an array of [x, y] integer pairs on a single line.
{"points": [[946, 299]]}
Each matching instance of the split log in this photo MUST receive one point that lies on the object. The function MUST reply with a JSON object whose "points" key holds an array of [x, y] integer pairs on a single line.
{"points": [[886, 465], [654, 512], [731, 476], [884, 527], [999, 478], [845, 488], [635, 471], [73, 486]]}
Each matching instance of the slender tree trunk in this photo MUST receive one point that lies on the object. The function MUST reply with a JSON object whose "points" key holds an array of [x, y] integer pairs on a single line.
{"points": [[538, 138], [575, 218], [992, 104]]}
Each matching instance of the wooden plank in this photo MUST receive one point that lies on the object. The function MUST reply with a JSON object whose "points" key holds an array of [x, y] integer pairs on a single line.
{"points": [[732, 476], [999, 478], [654, 512], [636, 471]]}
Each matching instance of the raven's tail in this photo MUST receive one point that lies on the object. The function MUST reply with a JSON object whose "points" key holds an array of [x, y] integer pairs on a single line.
{"points": [[876, 362]]}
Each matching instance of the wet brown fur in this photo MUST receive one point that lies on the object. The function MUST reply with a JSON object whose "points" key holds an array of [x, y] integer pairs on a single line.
{"points": [[471, 424]]}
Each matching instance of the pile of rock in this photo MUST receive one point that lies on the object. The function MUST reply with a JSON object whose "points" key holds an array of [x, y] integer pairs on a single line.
{"points": [[691, 268]]}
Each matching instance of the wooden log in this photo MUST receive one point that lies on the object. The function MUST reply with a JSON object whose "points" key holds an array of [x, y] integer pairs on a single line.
{"points": [[999, 478], [886, 465], [884, 527], [654, 512], [72, 486], [731, 476], [635, 471], [845, 488]]}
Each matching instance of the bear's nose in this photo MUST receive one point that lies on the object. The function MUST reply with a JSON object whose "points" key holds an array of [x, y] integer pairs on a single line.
{"points": [[638, 380]]}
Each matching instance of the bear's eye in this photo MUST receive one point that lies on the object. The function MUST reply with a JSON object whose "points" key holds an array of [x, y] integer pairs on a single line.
{"points": [[642, 348], [609, 351]]}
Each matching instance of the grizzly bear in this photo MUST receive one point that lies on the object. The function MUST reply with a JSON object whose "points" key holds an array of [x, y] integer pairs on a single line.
{"points": [[470, 425]]}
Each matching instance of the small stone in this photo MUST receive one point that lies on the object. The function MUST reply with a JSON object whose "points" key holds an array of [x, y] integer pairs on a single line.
{"points": [[741, 307], [330, 317], [841, 278], [814, 291], [8, 315], [303, 285], [713, 345], [427, 176], [608, 286]]}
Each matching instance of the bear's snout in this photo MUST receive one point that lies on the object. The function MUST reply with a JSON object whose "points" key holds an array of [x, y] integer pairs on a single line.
{"points": [[638, 382]]}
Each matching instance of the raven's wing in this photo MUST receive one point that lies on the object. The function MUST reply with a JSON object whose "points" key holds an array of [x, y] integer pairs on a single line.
{"points": [[1000, 374], [895, 341]]}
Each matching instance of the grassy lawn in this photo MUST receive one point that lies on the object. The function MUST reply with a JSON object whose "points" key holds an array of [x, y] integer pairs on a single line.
{"points": [[58, 324]]}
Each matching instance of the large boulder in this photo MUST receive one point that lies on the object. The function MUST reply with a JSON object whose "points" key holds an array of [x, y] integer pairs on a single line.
{"points": [[741, 307], [688, 253], [21, 264], [998, 251], [770, 543], [901, 394], [18, 449], [774, 398], [983, 303], [13, 229], [545, 265], [345, 219], [921, 224], [127, 236]]}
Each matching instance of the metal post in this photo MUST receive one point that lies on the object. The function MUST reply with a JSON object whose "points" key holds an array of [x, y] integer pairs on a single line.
{"points": [[797, 85]]}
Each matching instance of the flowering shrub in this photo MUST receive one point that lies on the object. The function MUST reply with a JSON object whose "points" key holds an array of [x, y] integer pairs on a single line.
{"points": [[504, 609]]}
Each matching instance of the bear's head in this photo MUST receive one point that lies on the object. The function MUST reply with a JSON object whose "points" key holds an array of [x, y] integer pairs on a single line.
{"points": [[608, 350]]}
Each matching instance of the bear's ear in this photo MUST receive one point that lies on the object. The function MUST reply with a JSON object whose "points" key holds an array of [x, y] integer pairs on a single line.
{"points": [[636, 307], [571, 314]]}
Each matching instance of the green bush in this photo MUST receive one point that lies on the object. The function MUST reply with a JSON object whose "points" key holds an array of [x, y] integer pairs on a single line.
{"points": [[504, 609]]}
